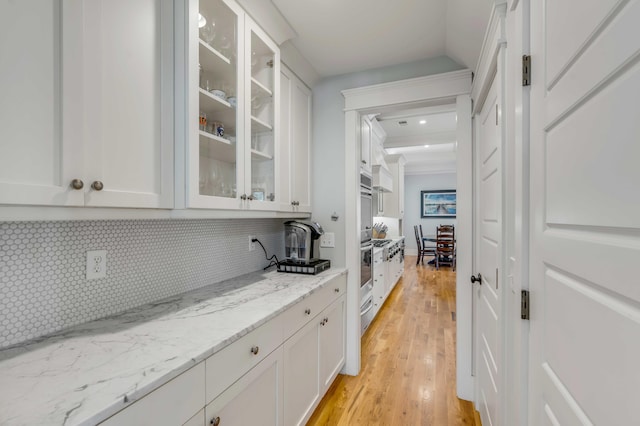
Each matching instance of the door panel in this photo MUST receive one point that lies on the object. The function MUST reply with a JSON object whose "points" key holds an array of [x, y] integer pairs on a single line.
{"points": [[585, 310], [489, 294]]}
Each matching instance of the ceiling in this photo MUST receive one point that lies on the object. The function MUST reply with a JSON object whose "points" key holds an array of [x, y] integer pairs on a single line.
{"points": [[428, 147], [338, 36]]}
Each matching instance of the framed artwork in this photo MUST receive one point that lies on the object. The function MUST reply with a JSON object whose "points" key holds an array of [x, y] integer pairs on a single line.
{"points": [[436, 204]]}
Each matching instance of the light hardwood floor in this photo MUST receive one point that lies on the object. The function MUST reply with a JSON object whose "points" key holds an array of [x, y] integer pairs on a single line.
{"points": [[408, 364]]}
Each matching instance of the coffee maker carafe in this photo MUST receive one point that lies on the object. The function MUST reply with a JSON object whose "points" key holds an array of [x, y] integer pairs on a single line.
{"points": [[302, 241]]}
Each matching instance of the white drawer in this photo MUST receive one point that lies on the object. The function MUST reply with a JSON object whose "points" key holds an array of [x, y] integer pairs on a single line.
{"points": [[173, 403], [297, 316], [232, 362]]}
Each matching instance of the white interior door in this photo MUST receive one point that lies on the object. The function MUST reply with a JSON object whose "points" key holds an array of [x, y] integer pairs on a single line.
{"points": [[585, 297], [488, 295]]}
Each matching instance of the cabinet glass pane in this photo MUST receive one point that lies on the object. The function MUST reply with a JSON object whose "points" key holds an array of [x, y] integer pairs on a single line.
{"points": [[218, 88], [262, 121]]}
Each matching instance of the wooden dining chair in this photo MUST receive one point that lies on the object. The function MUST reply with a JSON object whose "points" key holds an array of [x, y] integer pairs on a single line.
{"points": [[446, 246], [422, 250]]}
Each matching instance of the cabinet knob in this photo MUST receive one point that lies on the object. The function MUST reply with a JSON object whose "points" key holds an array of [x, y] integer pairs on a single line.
{"points": [[243, 197], [307, 311], [322, 322], [250, 197], [77, 184], [255, 350], [337, 290], [97, 185], [363, 162], [326, 320], [215, 421]]}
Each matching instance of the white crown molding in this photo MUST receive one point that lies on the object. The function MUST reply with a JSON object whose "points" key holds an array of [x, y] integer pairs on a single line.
{"points": [[267, 15], [439, 86]]}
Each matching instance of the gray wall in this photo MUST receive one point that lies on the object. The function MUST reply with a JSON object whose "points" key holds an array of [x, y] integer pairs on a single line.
{"points": [[42, 266], [413, 184], [328, 139]]}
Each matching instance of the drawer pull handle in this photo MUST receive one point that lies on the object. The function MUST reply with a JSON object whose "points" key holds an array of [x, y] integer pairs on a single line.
{"points": [[255, 350], [307, 311], [215, 421]]}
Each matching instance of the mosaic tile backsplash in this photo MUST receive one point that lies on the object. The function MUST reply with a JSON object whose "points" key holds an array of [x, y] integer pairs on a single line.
{"points": [[43, 287]]}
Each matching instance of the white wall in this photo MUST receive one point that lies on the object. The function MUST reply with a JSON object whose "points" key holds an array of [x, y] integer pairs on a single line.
{"points": [[413, 184], [328, 140]]}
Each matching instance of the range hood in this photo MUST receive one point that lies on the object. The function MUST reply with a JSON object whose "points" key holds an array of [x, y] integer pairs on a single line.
{"points": [[382, 179]]}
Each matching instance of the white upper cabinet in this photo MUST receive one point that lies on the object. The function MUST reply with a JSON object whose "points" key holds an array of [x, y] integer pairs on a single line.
{"points": [[232, 108], [295, 142], [128, 102], [365, 147], [86, 116], [394, 201]]}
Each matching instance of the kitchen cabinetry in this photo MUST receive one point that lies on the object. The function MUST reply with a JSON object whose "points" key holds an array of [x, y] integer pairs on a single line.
{"points": [[87, 118], [312, 358], [232, 116], [394, 201], [179, 401], [255, 399], [365, 146], [379, 281], [295, 142], [280, 370]]}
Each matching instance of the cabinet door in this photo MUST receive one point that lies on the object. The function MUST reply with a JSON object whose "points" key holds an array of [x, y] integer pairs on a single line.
{"points": [[39, 154], [301, 375], [215, 110], [255, 399], [301, 146], [127, 85], [262, 89], [332, 342], [365, 146], [295, 143], [401, 190]]}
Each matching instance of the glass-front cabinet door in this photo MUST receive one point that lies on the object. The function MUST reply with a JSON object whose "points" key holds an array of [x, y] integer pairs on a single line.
{"points": [[232, 144], [219, 124], [263, 79]]}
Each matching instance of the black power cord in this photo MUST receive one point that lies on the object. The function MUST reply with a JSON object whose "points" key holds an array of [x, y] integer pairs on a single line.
{"points": [[272, 262]]}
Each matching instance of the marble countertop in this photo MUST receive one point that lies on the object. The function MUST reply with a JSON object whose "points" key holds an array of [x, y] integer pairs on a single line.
{"points": [[83, 375]]}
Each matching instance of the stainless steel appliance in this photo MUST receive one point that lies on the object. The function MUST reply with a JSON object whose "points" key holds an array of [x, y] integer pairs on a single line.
{"points": [[366, 208], [366, 253]]}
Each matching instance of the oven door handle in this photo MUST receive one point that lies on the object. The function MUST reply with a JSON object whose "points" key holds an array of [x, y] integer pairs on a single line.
{"points": [[367, 247], [370, 303]]}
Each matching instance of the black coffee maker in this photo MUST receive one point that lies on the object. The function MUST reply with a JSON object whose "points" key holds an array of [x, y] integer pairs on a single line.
{"points": [[302, 248]]}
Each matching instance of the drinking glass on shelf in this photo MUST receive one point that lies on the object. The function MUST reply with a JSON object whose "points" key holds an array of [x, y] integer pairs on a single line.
{"points": [[208, 32]]}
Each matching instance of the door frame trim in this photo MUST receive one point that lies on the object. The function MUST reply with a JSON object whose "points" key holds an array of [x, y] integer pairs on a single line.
{"points": [[453, 88]]}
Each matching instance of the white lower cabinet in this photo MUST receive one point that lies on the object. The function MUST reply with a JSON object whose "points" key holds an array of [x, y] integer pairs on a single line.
{"points": [[332, 343], [255, 399], [274, 375], [313, 358], [302, 373], [177, 402]]}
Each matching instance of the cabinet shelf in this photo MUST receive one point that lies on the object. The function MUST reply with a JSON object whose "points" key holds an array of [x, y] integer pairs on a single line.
{"points": [[260, 156], [261, 87], [213, 146], [260, 126], [218, 109], [211, 55]]}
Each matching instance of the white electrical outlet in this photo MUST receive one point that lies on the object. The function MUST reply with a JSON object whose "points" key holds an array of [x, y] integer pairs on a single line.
{"points": [[328, 239], [252, 244], [96, 264]]}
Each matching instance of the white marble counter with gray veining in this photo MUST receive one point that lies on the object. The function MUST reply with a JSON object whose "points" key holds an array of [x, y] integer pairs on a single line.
{"points": [[83, 375]]}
